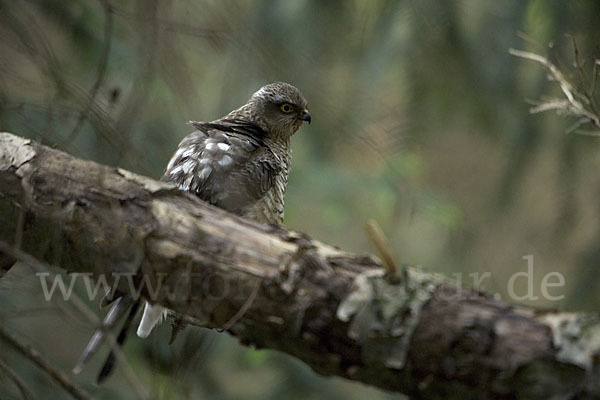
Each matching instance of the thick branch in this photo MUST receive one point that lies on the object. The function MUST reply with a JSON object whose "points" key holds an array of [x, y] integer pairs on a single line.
{"points": [[277, 289]]}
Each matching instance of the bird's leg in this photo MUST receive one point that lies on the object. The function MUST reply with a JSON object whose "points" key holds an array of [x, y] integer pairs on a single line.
{"points": [[177, 325]]}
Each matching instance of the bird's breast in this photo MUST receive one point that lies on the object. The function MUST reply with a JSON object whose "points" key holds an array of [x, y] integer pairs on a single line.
{"points": [[270, 208]]}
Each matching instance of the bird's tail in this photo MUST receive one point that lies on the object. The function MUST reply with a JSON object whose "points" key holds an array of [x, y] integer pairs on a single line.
{"points": [[116, 312], [153, 315], [109, 363]]}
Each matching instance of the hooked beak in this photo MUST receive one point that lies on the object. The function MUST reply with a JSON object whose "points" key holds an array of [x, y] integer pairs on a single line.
{"points": [[305, 116]]}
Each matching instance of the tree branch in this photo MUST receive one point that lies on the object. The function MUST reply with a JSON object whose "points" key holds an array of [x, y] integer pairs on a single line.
{"points": [[576, 104], [338, 312]]}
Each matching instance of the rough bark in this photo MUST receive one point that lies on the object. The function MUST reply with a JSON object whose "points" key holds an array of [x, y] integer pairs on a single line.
{"points": [[273, 288]]}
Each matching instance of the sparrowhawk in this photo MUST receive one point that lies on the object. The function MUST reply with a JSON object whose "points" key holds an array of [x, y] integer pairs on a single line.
{"points": [[239, 162]]}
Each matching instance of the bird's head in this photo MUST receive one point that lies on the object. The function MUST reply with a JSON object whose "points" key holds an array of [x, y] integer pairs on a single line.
{"points": [[280, 107]]}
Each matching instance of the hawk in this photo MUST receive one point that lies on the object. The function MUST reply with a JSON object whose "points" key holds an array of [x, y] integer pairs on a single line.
{"points": [[240, 163]]}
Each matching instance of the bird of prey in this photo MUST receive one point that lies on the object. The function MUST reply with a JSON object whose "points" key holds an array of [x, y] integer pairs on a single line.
{"points": [[239, 162]]}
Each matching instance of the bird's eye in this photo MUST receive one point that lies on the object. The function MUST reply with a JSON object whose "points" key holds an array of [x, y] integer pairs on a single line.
{"points": [[286, 108]]}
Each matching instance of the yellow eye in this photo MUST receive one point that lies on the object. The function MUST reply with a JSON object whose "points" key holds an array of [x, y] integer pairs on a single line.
{"points": [[286, 108]]}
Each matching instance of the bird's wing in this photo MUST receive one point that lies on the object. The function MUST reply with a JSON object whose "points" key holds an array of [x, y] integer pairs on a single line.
{"points": [[225, 163]]}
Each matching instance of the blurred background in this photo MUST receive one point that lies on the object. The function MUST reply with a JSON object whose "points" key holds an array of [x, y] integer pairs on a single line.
{"points": [[420, 121]]}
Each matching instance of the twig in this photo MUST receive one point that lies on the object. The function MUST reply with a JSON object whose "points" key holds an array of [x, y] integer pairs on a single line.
{"points": [[35, 356], [595, 73], [243, 309], [108, 26], [578, 66], [529, 39], [589, 95], [588, 133], [130, 375], [576, 125], [572, 105], [25, 392]]}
